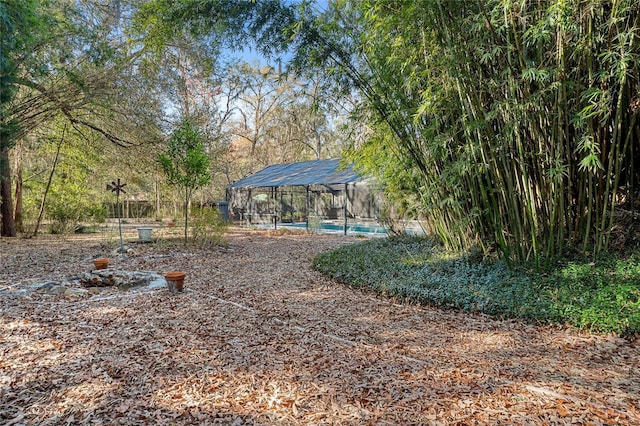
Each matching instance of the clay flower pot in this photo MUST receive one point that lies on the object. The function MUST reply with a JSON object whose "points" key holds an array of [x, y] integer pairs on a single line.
{"points": [[175, 281], [101, 262]]}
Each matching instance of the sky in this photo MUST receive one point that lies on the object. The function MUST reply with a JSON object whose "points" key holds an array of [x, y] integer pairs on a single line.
{"points": [[252, 55]]}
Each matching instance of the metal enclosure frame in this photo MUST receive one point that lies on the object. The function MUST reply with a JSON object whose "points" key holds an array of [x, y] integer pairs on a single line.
{"points": [[255, 198]]}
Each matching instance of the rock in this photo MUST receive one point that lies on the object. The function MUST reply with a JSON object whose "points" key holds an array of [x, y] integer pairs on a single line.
{"points": [[57, 289], [76, 292], [122, 250], [157, 283], [93, 290], [45, 286], [20, 293], [124, 280]]}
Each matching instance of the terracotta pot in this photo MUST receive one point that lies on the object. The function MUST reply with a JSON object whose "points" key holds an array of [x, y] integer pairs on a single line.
{"points": [[175, 281], [101, 262]]}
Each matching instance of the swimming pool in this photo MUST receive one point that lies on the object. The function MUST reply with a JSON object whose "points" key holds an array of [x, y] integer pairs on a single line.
{"points": [[333, 227]]}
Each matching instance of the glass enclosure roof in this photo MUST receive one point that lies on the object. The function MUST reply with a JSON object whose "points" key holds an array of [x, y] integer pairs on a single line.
{"points": [[316, 172]]}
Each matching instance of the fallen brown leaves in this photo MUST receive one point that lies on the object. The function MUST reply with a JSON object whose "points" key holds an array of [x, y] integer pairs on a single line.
{"points": [[258, 337]]}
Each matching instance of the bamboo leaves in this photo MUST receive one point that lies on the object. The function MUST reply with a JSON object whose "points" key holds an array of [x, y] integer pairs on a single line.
{"points": [[591, 161], [527, 124]]}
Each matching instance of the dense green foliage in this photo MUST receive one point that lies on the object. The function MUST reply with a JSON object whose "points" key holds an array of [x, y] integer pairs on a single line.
{"points": [[71, 60], [67, 62], [19, 24], [72, 196], [208, 226], [602, 296]]}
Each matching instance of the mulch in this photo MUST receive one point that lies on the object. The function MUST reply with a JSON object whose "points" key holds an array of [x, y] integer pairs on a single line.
{"points": [[259, 337]]}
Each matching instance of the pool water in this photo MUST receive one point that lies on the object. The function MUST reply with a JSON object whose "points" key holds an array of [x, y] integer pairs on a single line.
{"points": [[355, 228]]}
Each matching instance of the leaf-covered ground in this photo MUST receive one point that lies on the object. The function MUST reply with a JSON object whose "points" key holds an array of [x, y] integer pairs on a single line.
{"points": [[258, 337]]}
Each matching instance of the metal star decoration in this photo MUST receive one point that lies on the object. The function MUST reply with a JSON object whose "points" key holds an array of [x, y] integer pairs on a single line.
{"points": [[117, 187]]}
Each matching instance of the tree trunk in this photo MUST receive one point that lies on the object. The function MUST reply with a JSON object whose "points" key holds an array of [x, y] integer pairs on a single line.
{"points": [[158, 207], [46, 190], [8, 228], [18, 196], [186, 213]]}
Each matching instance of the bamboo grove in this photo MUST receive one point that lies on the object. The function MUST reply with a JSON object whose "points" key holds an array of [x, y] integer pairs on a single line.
{"points": [[510, 124]]}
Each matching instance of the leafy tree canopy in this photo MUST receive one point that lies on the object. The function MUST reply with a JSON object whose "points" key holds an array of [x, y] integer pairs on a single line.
{"points": [[186, 163]]}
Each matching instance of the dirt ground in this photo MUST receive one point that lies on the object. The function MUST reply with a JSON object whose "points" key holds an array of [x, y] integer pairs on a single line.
{"points": [[258, 337]]}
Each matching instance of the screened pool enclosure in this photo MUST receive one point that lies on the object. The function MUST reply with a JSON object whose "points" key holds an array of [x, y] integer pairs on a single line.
{"points": [[308, 192]]}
